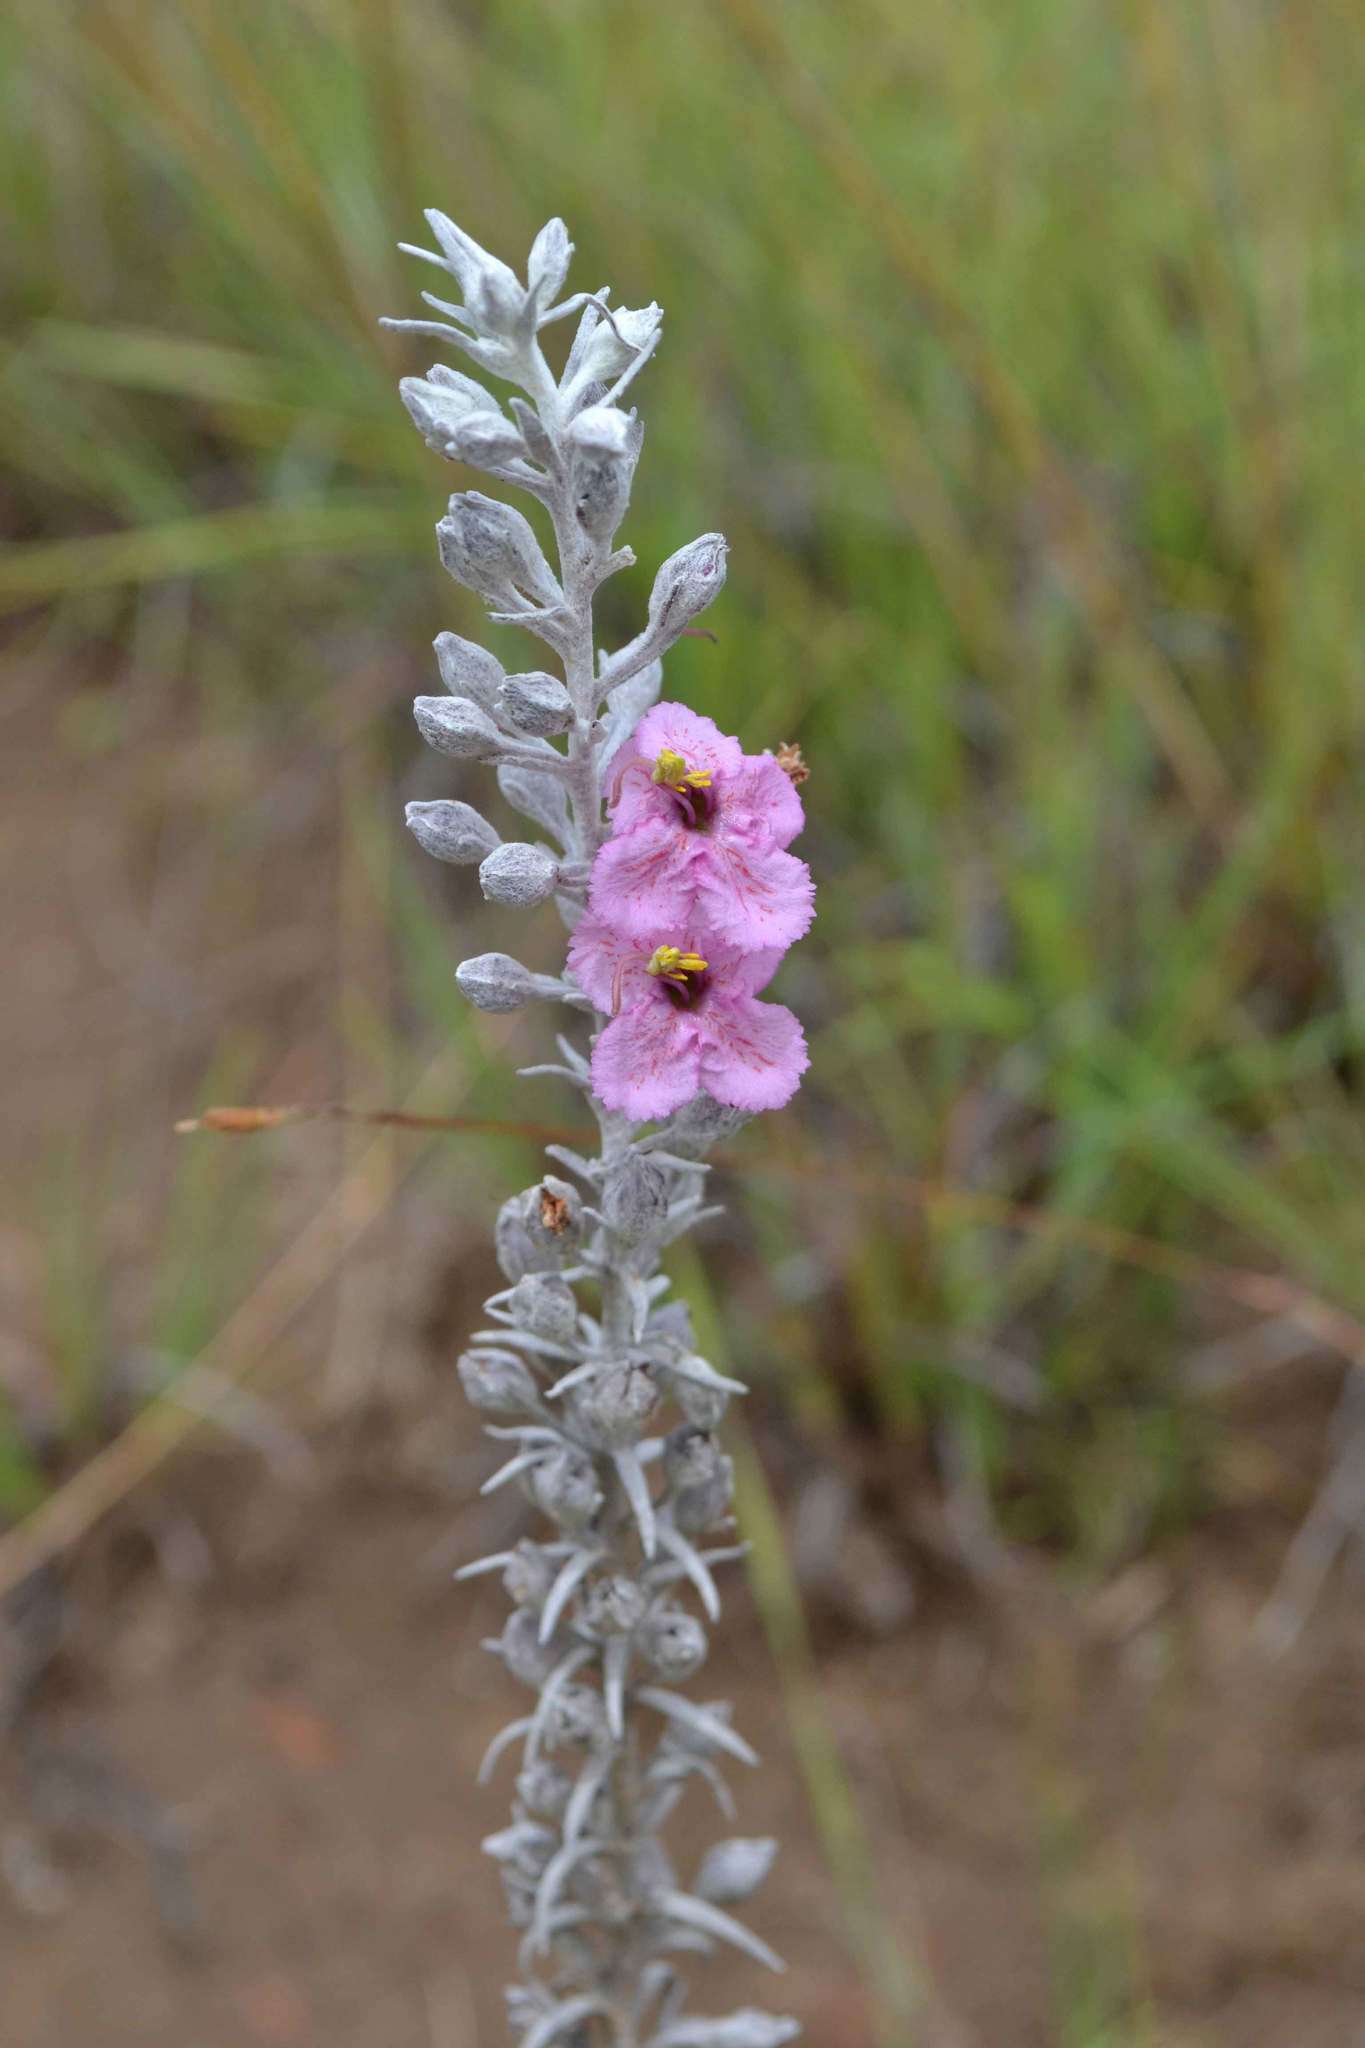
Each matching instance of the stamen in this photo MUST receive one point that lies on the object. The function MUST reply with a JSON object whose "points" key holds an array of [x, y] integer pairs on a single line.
{"points": [[672, 966], [671, 771]]}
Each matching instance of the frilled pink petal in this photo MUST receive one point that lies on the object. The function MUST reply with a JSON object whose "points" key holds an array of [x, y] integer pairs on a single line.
{"points": [[642, 880], [751, 897], [758, 799], [608, 965], [747, 974], [631, 796], [647, 1061], [684, 731], [752, 1054]]}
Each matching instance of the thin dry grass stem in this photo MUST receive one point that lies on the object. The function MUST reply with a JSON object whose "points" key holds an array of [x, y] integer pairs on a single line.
{"points": [[246, 1341]]}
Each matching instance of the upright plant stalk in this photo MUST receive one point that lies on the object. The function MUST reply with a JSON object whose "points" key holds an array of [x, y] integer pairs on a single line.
{"points": [[667, 858]]}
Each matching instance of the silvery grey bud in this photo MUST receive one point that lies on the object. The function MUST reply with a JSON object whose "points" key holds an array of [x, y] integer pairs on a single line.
{"points": [[522, 1651], [519, 875], [552, 1215], [606, 447], [488, 439], [535, 703], [439, 402], [616, 1407], [703, 1405], [733, 1870], [494, 299], [701, 1123], [747, 2028], [613, 348], [675, 1644], [451, 831], [518, 1251], [468, 670], [698, 1508], [692, 1457], [528, 1574], [520, 1894], [575, 1716], [564, 1487], [613, 1607], [686, 584], [497, 1382], [636, 1200], [455, 725], [544, 1789], [491, 549], [545, 1305], [547, 266], [495, 981]]}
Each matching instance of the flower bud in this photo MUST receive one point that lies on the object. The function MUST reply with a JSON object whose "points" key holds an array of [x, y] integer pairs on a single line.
{"points": [[613, 348], [454, 725], [636, 1200], [492, 550], [675, 1644], [488, 439], [451, 831], [702, 1123], [522, 1651], [575, 1715], [535, 703], [733, 1870], [545, 1305], [494, 299], [495, 981], [606, 444], [616, 1407], [544, 1789], [564, 1487], [547, 266], [528, 1574], [468, 670], [613, 1607], [440, 402], [703, 1405], [497, 1383], [686, 584], [519, 875], [700, 1508], [552, 1215], [692, 1457]]}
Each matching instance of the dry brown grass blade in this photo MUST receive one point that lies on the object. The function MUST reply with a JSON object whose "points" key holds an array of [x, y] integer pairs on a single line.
{"points": [[248, 1118], [242, 1345]]}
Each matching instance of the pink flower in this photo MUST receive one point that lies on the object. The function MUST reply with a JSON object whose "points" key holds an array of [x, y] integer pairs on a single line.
{"points": [[698, 832], [685, 1019]]}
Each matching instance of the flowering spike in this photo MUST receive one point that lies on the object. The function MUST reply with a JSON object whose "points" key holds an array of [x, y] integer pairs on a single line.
{"points": [[669, 861]]}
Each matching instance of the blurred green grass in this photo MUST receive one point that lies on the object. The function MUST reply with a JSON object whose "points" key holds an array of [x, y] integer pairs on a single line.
{"points": [[1018, 352]]}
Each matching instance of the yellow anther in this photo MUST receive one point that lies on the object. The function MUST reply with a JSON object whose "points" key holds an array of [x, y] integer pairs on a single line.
{"points": [[673, 964], [671, 771]]}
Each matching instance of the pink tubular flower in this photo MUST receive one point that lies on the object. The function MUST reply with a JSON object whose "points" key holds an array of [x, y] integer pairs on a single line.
{"points": [[686, 1019], [698, 832]]}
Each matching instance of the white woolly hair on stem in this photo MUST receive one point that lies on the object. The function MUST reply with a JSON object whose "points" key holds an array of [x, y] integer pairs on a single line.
{"points": [[587, 1350]]}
